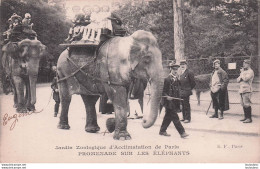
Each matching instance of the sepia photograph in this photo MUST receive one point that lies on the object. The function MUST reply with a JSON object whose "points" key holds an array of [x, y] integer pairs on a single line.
{"points": [[129, 81]]}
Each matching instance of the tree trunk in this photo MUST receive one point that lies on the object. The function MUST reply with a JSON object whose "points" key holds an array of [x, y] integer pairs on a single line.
{"points": [[258, 34], [178, 30]]}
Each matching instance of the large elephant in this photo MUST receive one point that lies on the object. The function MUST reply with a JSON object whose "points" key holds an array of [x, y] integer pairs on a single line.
{"points": [[111, 69], [21, 63]]}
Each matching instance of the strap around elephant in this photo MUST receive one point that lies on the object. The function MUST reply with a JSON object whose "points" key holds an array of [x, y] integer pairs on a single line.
{"points": [[79, 69]]}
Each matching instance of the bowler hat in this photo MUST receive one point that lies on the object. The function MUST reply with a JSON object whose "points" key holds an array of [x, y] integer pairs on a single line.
{"points": [[183, 62], [173, 65], [247, 61]]}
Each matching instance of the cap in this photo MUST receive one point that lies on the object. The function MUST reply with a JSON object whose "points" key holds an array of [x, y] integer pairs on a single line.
{"points": [[27, 15], [183, 62], [247, 61], [216, 61], [173, 65]]}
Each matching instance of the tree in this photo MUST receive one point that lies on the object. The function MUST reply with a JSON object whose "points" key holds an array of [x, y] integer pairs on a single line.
{"points": [[178, 30]]}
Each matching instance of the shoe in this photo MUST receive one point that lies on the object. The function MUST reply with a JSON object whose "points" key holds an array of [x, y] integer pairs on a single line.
{"points": [[186, 121], [182, 120], [109, 101], [55, 114], [243, 119], [221, 118], [164, 134], [248, 121], [183, 135], [213, 116]]}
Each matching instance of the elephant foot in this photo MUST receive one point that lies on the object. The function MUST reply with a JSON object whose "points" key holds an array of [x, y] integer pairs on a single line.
{"points": [[121, 135], [92, 129], [31, 108], [63, 126], [21, 110]]}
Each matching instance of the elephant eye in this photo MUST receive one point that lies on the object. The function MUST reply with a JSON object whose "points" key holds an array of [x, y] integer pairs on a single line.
{"points": [[147, 59], [123, 61]]}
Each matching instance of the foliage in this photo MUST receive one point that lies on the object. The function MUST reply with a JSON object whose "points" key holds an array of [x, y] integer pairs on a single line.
{"points": [[211, 27], [49, 22]]}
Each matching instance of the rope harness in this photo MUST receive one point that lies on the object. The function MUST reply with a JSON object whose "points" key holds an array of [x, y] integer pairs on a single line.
{"points": [[80, 69]]}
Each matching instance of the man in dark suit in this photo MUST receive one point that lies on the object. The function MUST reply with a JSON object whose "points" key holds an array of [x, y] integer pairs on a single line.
{"points": [[171, 102], [56, 96], [187, 84]]}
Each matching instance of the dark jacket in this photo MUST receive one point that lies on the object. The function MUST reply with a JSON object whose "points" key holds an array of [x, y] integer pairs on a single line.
{"points": [[116, 21], [223, 78], [187, 82], [171, 88], [54, 86]]}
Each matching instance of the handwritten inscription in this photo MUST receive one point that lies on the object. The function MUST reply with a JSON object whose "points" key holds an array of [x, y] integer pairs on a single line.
{"points": [[14, 118]]}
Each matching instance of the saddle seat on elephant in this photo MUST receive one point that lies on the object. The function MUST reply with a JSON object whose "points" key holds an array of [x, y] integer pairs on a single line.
{"points": [[105, 35]]}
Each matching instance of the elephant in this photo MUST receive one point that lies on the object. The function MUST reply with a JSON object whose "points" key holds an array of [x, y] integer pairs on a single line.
{"points": [[21, 63], [111, 69]]}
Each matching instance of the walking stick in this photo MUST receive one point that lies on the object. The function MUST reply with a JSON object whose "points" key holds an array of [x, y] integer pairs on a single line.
{"points": [[209, 107]]}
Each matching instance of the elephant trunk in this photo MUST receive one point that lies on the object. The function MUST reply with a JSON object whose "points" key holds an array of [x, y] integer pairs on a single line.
{"points": [[153, 107], [24, 53], [32, 81], [33, 67]]}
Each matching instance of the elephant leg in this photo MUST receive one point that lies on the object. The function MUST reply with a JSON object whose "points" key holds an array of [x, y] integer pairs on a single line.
{"points": [[65, 99], [15, 94], [91, 119], [19, 87], [141, 102], [121, 108], [198, 97]]}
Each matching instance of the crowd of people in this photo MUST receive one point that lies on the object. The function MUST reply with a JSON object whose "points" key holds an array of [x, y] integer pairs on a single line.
{"points": [[178, 88], [87, 27], [19, 29]]}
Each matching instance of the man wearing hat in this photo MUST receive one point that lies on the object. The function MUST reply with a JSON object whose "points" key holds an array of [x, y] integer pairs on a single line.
{"points": [[245, 82], [187, 84], [219, 93], [171, 102]]}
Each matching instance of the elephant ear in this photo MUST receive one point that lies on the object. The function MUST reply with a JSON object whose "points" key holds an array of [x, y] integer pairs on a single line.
{"points": [[142, 41], [11, 48], [40, 46]]}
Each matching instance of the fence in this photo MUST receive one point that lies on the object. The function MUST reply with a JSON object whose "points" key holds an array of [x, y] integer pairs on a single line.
{"points": [[232, 66]]}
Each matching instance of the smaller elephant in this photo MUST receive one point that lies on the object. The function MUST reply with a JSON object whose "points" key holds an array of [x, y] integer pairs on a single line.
{"points": [[23, 65]]}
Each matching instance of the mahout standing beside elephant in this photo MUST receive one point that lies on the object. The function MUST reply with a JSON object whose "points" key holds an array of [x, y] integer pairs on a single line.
{"points": [[111, 70]]}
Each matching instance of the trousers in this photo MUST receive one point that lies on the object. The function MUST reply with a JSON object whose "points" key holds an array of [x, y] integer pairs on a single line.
{"points": [[171, 116]]}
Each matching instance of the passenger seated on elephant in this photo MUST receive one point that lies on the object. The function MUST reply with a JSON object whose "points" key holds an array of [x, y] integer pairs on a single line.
{"points": [[15, 28], [7, 33], [87, 12], [27, 27], [105, 15], [75, 32], [94, 27]]}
